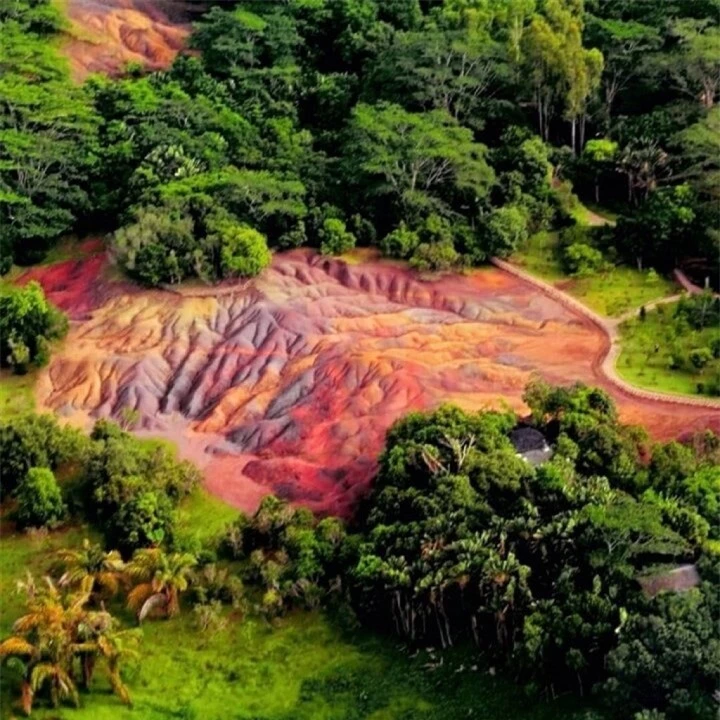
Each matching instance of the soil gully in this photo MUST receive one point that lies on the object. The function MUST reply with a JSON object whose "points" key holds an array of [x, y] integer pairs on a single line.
{"points": [[288, 383]]}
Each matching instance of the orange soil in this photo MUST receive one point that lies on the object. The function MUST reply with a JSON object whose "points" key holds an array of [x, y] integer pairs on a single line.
{"points": [[287, 384], [106, 34]]}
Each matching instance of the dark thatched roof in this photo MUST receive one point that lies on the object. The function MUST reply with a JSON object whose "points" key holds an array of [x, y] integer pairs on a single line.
{"points": [[526, 439]]}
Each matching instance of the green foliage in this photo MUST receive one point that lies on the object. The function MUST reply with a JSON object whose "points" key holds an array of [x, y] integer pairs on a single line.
{"points": [[506, 230], [39, 500], [418, 160], [461, 537], [582, 259], [400, 243], [673, 348], [655, 233], [668, 658], [130, 489], [296, 559], [36, 441], [243, 251], [435, 256], [28, 322], [335, 239]]}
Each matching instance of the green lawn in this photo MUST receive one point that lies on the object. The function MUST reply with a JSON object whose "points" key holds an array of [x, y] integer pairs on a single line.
{"points": [[16, 394], [305, 666], [202, 517], [647, 353], [608, 293]]}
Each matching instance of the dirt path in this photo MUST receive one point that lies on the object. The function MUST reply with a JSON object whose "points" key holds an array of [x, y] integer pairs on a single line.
{"points": [[606, 364]]}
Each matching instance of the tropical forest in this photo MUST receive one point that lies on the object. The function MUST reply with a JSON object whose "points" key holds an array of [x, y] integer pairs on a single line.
{"points": [[360, 359]]}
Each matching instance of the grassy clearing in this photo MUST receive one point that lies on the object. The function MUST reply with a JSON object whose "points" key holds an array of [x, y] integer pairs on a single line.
{"points": [[16, 394], [609, 293], [302, 667], [202, 518], [647, 353]]}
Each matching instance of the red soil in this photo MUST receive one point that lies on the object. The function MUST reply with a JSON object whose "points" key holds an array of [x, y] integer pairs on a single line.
{"points": [[107, 34], [288, 383]]}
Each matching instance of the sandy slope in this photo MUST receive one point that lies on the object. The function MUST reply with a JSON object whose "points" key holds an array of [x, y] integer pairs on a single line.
{"points": [[106, 34]]}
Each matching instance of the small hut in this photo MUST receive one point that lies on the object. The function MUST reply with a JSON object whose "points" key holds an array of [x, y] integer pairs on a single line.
{"points": [[530, 444]]}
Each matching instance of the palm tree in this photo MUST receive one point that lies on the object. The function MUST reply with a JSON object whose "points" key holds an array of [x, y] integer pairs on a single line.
{"points": [[91, 569], [57, 630], [44, 640], [161, 578]]}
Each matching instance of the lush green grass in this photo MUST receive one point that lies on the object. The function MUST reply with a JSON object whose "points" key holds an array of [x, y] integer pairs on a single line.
{"points": [[610, 293], [202, 517], [20, 553], [646, 352], [16, 394], [302, 667]]}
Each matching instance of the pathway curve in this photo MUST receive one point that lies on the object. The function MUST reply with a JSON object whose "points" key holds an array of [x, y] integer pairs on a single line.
{"points": [[606, 365]]}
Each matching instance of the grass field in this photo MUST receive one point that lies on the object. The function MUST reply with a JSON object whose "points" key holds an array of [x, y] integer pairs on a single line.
{"points": [[647, 353], [610, 293], [16, 394], [307, 665]]}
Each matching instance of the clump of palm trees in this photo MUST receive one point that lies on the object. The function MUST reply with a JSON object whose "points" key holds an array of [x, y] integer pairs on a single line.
{"points": [[67, 631], [58, 642]]}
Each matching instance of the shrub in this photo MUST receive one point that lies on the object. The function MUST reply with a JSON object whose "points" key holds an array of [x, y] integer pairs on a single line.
{"points": [[145, 520], [436, 256], [700, 357], [400, 243], [36, 441], [27, 323], [505, 230], [581, 259], [243, 251], [699, 311], [158, 246], [39, 499], [335, 239]]}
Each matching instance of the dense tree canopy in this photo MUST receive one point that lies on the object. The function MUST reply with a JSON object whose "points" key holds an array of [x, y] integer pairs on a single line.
{"points": [[373, 114], [462, 537]]}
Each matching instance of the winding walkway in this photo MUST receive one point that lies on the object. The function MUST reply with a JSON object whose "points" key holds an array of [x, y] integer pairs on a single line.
{"points": [[606, 364]]}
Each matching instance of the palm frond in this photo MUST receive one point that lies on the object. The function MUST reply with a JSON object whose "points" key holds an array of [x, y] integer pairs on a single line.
{"points": [[16, 646], [138, 595]]}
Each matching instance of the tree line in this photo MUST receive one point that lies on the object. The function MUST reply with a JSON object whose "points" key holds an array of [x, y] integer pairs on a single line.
{"points": [[462, 540], [443, 132]]}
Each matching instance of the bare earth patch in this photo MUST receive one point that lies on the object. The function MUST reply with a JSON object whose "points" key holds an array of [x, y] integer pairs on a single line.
{"points": [[107, 34], [288, 383]]}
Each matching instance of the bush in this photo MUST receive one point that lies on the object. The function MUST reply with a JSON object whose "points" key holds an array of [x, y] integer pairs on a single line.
{"points": [[243, 251], [28, 322], [700, 357], [335, 239], [506, 229], [581, 259], [699, 311], [145, 520], [436, 256], [158, 246], [400, 243], [39, 499], [36, 441], [715, 347]]}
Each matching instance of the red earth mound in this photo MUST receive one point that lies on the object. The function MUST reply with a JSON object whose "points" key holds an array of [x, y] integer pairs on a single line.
{"points": [[107, 34], [288, 383]]}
